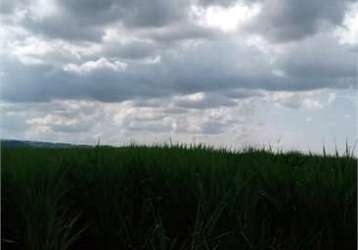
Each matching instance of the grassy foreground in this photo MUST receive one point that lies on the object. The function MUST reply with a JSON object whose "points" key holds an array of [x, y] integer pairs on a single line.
{"points": [[176, 197]]}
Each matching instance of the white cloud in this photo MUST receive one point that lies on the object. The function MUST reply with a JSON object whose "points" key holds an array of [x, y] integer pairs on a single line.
{"points": [[116, 122], [100, 64], [41, 9], [31, 50], [226, 18], [348, 33], [305, 100]]}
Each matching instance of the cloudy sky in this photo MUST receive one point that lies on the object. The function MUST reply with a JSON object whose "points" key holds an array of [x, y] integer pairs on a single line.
{"points": [[223, 72]]}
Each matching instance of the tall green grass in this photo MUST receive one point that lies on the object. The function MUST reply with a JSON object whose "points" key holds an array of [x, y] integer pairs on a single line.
{"points": [[176, 197]]}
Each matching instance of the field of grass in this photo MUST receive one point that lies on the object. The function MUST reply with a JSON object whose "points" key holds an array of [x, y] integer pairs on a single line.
{"points": [[176, 197]]}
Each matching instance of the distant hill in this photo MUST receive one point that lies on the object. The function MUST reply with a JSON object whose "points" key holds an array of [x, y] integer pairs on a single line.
{"points": [[37, 144]]}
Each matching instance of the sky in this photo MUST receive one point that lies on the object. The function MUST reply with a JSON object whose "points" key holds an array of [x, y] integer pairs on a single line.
{"points": [[225, 73]]}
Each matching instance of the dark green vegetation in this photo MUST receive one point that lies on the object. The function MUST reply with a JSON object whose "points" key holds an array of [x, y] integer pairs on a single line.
{"points": [[175, 197]]}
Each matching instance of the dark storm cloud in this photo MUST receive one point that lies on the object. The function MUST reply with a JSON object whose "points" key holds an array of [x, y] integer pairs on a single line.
{"points": [[319, 57], [133, 50], [290, 20], [181, 32], [86, 19], [242, 93], [132, 13], [65, 27], [183, 71], [279, 20], [37, 83], [166, 55], [150, 42]]}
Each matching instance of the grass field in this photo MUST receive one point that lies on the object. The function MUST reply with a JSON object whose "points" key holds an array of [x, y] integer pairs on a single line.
{"points": [[176, 197]]}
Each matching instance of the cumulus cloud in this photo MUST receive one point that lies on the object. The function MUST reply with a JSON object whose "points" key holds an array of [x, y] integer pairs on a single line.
{"points": [[184, 67], [123, 120], [348, 32], [202, 101], [90, 66], [307, 100]]}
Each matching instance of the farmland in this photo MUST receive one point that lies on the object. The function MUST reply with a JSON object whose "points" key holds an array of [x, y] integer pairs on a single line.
{"points": [[176, 197]]}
